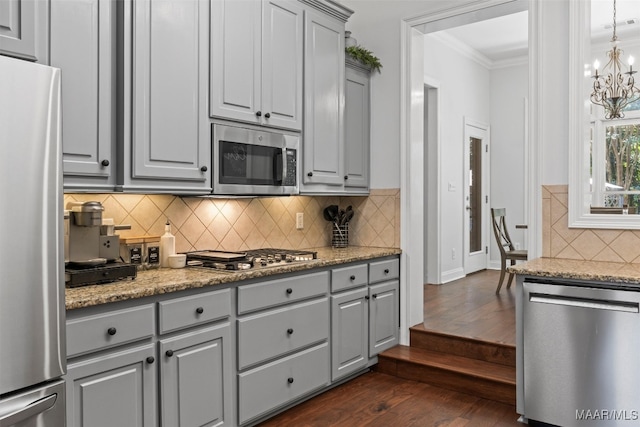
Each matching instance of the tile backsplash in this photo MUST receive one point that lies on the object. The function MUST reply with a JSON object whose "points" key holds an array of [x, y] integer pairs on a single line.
{"points": [[560, 241], [240, 224]]}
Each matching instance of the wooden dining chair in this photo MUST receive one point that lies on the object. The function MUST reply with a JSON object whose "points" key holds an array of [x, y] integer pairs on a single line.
{"points": [[507, 251]]}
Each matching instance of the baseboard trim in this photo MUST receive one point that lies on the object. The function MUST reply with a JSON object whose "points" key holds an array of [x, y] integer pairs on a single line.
{"points": [[451, 275]]}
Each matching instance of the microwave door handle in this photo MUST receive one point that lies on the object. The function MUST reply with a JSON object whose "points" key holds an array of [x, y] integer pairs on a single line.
{"points": [[278, 166]]}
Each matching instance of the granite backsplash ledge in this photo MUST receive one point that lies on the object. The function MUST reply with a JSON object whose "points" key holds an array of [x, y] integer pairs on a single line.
{"points": [[247, 223]]}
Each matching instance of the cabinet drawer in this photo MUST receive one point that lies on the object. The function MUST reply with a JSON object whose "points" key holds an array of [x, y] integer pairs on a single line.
{"points": [[384, 270], [194, 310], [105, 330], [267, 335], [278, 292], [349, 277], [275, 384]]}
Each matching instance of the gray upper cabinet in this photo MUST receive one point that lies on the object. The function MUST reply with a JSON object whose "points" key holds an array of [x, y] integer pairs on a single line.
{"points": [[166, 69], [24, 27], [356, 125], [256, 62], [83, 46], [324, 100]]}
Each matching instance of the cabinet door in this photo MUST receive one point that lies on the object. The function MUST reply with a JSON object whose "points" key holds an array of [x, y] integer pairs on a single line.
{"points": [[356, 124], [24, 29], [324, 100], [235, 59], [349, 332], [113, 389], [282, 63], [383, 317], [195, 379], [170, 126], [83, 45]]}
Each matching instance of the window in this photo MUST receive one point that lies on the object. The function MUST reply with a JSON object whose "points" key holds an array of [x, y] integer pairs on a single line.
{"points": [[615, 161]]}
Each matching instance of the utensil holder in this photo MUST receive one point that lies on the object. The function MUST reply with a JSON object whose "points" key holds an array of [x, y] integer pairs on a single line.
{"points": [[339, 235]]}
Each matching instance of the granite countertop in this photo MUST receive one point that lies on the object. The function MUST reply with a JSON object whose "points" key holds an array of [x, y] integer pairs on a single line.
{"points": [[600, 271], [166, 280]]}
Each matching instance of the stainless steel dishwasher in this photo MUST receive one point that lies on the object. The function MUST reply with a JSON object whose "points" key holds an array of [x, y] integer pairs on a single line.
{"points": [[579, 360]]}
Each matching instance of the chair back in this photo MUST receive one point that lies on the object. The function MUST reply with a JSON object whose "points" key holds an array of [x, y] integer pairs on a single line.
{"points": [[500, 231]]}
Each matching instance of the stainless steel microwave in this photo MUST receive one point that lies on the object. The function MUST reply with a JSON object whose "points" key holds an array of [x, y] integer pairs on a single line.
{"points": [[248, 161]]}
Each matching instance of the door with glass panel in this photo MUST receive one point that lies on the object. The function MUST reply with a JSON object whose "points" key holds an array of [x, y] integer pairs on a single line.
{"points": [[476, 198]]}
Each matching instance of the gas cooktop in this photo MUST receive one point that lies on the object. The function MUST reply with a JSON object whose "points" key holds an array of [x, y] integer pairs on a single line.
{"points": [[251, 259]]}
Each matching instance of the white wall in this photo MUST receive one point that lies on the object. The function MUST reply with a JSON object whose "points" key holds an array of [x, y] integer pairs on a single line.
{"points": [[464, 92], [376, 26], [509, 86], [553, 90]]}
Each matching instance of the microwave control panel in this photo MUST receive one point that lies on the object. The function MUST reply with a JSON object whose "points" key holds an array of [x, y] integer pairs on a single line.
{"points": [[292, 167]]}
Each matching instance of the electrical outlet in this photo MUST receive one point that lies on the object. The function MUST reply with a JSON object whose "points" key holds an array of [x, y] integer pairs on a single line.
{"points": [[299, 221], [453, 253]]}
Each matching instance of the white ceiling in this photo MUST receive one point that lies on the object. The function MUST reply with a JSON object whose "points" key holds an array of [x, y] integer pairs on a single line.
{"points": [[506, 37]]}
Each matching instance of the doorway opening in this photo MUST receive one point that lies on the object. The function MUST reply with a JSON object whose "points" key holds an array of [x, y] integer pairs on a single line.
{"points": [[491, 87]]}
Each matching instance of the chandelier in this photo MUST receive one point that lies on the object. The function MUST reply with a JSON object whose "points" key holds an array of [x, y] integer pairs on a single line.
{"points": [[614, 89]]}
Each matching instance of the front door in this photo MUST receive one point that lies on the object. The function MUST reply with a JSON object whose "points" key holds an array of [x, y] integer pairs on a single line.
{"points": [[476, 198]]}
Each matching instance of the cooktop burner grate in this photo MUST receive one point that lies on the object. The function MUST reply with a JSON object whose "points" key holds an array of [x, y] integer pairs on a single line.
{"points": [[251, 259]]}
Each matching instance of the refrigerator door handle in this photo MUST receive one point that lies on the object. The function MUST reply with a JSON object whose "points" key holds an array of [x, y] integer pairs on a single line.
{"points": [[32, 409]]}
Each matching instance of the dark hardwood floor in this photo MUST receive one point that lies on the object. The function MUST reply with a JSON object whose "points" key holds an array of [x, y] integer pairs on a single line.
{"points": [[467, 307], [471, 308]]}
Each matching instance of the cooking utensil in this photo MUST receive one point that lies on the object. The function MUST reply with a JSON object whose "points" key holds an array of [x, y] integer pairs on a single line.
{"points": [[331, 213], [347, 216], [326, 214]]}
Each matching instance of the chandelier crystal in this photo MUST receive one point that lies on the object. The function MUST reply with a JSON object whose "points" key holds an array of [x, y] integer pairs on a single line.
{"points": [[614, 89]]}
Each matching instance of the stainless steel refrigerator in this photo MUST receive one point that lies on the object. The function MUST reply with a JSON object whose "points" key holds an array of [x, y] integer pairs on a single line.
{"points": [[32, 313]]}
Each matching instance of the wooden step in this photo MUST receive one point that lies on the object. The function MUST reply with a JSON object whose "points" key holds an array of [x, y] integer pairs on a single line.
{"points": [[501, 353], [493, 381]]}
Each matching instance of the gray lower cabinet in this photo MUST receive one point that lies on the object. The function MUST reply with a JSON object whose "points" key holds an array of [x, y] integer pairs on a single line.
{"points": [[283, 343], [24, 28], [112, 370], [190, 359], [275, 384], [349, 332], [384, 305], [364, 314], [119, 354], [383, 317], [195, 359], [194, 375], [117, 388]]}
